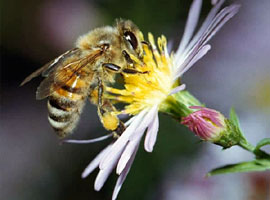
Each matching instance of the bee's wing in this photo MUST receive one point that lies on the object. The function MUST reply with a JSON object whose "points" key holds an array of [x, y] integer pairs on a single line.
{"points": [[49, 67], [44, 89], [65, 72]]}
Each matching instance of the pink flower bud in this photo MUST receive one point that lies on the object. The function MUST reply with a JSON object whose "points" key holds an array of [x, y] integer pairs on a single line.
{"points": [[206, 123]]}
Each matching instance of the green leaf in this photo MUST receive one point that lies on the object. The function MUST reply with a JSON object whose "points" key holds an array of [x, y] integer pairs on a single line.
{"points": [[234, 118], [263, 142], [251, 166]]}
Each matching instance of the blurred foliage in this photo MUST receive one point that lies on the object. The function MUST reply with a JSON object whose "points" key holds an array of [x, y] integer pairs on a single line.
{"points": [[21, 28], [150, 15], [154, 16]]}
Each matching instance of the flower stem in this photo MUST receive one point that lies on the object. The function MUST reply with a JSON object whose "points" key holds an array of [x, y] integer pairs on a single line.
{"points": [[257, 152], [246, 145]]}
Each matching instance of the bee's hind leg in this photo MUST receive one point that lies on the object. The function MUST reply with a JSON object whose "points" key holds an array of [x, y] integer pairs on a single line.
{"points": [[106, 110]]}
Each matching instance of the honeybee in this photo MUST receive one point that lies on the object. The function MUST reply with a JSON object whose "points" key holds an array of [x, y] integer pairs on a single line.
{"points": [[84, 72]]}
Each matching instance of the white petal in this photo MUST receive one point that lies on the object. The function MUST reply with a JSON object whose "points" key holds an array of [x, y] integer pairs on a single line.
{"points": [[204, 26], [208, 30], [135, 139], [192, 60], [127, 154], [123, 175], [217, 22], [151, 135], [127, 123], [104, 173], [222, 17], [177, 89], [95, 162], [191, 24], [89, 141], [121, 142], [148, 118], [102, 177], [170, 46]]}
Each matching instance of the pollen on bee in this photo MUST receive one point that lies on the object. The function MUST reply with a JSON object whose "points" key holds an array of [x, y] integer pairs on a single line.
{"points": [[110, 121], [94, 97]]}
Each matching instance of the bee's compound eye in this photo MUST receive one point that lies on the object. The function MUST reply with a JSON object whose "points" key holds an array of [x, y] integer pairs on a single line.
{"points": [[131, 38]]}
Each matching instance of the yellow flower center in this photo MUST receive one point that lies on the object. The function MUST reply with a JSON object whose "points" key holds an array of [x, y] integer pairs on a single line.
{"points": [[150, 87]]}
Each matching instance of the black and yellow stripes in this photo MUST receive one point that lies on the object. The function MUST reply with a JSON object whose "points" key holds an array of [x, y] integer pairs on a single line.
{"points": [[64, 113], [66, 103]]}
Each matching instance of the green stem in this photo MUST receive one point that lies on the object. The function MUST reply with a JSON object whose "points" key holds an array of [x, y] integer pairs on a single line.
{"points": [[246, 145], [257, 152]]}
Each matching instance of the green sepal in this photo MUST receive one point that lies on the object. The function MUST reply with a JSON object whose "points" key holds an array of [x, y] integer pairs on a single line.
{"points": [[235, 123], [251, 166], [177, 105], [234, 118], [230, 137]]}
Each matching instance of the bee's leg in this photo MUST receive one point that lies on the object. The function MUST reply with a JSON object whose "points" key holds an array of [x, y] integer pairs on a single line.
{"points": [[133, 71], [131, 63], [117, 69], [112, 67], [106, 110], [127, 58]]}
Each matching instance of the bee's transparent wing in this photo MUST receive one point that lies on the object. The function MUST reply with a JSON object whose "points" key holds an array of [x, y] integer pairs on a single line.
{"points": [[49, 67], [44, 89], [70, 66]]}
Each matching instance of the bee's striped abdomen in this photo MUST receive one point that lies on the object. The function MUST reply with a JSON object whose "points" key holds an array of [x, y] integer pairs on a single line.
{"points": [[66, 103]]}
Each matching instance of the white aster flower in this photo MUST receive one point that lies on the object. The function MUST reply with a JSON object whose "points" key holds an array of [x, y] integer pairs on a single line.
{"points": [[147, 94]]}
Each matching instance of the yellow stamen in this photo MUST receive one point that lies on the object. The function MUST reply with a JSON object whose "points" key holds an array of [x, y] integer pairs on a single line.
{"points": [[142, 91]]}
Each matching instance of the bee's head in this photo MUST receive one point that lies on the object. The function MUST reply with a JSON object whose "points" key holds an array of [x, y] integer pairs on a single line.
{"points": [[131, 36]]}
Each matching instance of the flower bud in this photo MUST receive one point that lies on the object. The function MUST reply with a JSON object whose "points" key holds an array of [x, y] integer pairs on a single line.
{"points": [[206, 123], [211, 125]]}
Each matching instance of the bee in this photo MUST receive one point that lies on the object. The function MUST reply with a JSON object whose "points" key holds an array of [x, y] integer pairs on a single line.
{"points": [[84, 72]]}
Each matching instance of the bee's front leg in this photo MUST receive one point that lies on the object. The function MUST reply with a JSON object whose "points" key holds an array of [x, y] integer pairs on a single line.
{"points": [[106, 110], [117, 69]]}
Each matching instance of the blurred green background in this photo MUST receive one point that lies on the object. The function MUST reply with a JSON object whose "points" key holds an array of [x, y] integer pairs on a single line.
{"points": [[33, 165]]}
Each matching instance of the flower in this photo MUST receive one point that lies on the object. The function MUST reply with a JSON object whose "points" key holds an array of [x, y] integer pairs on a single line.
{"points": [[206, 123], [145, 94], [210, 125], [143, 91]]}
